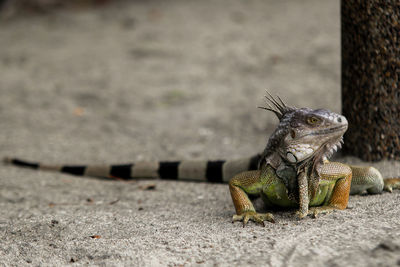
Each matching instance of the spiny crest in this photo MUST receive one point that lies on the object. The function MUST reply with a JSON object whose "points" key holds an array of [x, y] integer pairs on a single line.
{"points": [[278, 107]]}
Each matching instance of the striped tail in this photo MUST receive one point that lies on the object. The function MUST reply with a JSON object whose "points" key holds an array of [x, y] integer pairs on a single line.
{"points": [[218, 171]]}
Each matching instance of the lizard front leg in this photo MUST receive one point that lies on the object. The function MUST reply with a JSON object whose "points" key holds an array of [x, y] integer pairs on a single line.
{"points": [[242, 185], [339, 198], [303, 195]]}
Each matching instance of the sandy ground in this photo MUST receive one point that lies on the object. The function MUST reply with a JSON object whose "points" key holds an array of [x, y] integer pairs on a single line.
{"points": [[168, 80]]}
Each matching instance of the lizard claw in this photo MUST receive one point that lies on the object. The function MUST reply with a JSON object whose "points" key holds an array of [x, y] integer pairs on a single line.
{"points": [[315, 211], [253, 216], [391, 183], [301, 214], [388, 188]]}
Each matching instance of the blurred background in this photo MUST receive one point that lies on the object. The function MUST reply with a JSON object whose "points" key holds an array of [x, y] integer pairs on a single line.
{"points": [[107, 81], [110, 81]]}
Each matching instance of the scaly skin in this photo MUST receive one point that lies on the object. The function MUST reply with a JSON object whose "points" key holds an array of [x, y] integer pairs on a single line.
{"points": [[333, 192], [294, 170]]}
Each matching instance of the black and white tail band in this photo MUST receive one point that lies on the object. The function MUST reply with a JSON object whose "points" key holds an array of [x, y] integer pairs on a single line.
{"points": [[218, 171]]}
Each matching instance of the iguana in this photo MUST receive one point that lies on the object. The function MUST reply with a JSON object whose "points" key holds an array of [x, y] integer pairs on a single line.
{"points": [[292, 172]]}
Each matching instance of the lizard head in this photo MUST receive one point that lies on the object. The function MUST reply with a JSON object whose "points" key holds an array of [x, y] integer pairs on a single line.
{"points": [[312, 133], [304, 134]]}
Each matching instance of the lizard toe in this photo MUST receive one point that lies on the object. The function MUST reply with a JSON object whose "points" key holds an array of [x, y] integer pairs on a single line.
{"points": [[259, 218], [391, 183], [314, 212], [301, 214]]}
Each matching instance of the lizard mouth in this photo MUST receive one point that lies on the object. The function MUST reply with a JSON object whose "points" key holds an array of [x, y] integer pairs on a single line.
{"points": [[338, 129]]}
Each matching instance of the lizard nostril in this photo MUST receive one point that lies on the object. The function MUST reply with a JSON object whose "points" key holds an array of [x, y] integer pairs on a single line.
{"points": [[339, 119]]}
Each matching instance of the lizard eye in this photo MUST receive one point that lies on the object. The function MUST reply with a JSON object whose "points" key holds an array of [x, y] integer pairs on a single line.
{"points": [[312, 120]]}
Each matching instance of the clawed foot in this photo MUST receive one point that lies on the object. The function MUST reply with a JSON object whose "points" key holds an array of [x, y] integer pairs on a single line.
{"points": [[301, 214], [253, 216], [391, 183], [315, 211]]}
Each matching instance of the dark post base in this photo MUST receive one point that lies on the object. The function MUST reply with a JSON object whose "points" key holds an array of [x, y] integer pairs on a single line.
{"points": [[371, 78]]}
